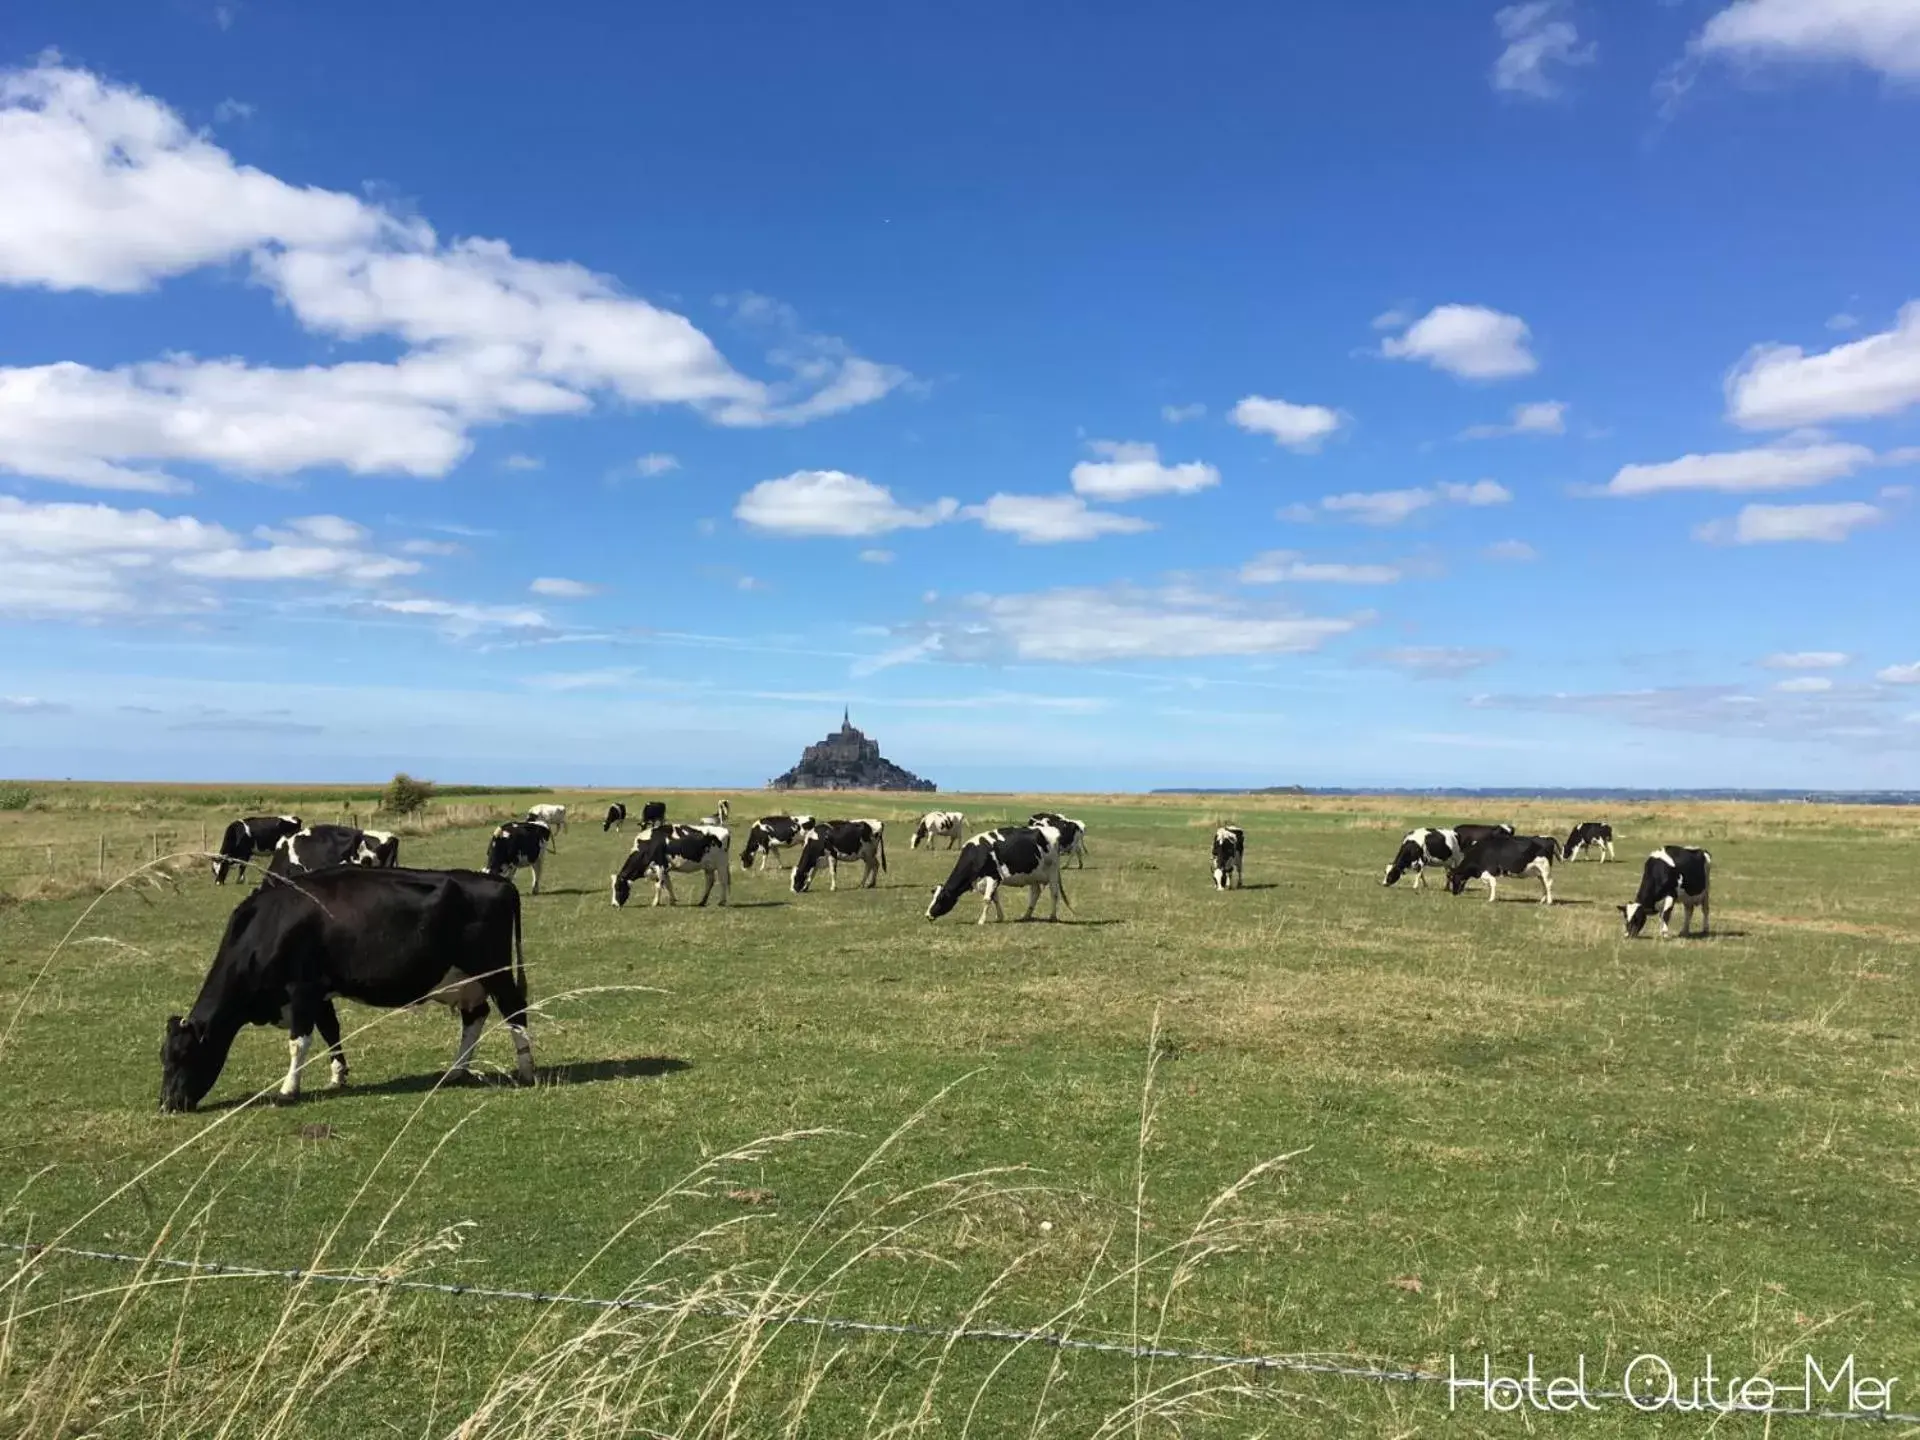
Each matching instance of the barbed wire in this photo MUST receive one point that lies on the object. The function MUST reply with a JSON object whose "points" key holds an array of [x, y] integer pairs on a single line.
{"points": [[1290, 1364]]}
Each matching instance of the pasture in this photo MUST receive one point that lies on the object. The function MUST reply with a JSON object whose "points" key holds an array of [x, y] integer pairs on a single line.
{"points": [[1493, 1129]]}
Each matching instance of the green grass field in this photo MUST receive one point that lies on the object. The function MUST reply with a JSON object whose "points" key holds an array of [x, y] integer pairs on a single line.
{"points": [[1505, 1129]]}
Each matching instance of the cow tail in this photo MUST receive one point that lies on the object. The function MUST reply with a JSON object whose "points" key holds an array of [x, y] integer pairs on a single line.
{"points": [[883, 852], [519, 950]]}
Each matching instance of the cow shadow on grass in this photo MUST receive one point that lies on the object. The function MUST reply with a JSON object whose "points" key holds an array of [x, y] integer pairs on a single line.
{"points": [[1267, 885], [569, 1072]]}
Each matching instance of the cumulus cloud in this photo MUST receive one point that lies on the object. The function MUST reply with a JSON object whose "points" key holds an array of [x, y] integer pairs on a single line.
{"points": [[832, 502], [1899, 674], [1088, 626], [1480, 492], [1778, 386], [1051, 519], [1806, 660], [1881, 35], [1391, 507], [463, 620], [1470, 341], [1436, 662], [1276, 567], [109, 191], [1542, 417], [1514, 550], [558, 588], [1777, 467], [522, 462], [1540, 38], [1298, 427], [1129, 470], [1774, 524]]}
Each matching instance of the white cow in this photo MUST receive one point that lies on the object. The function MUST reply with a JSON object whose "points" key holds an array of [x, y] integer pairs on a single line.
{"points": [[554, 817]]}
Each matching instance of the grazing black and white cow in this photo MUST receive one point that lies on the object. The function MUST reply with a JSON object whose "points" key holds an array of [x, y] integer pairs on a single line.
{"points": [[515, 844], [837, 842], [950, 823], [386, 938], [771, 834], [1229, 856], [616, 817], [661, 850], [1434, 846], [377, 850], [244, 839], [1022, 855], [654, 812], [1070, 836], [554, 817], [1492, 856], [318, 847], [1673, 872], [1594, 833]]}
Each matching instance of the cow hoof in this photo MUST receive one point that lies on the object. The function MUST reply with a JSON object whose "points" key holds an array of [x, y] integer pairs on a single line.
{"points": [[281, 1099]]}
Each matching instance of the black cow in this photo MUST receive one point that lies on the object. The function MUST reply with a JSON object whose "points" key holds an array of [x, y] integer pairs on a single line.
{"points": [[244, 839], [654, 812], [1432, 846], [1593, 833], [1229, 855], [1022, 855], [319, 847], [387, 938], [1492, 856], [1070, 836], [616, 817], [661, 850], [515, 844], [835, 841], [771, 834], [377, 850], [1673, 872]]}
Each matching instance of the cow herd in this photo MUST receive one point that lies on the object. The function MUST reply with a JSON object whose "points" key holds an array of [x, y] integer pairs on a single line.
{"points": [[355, 925]]}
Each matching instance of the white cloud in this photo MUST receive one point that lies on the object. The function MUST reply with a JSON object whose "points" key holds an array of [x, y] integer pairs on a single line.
{"points": [[1379, 507], [610, 677], [1391, 320], [1881, 35], [1436, 662], [523, 462], [1180, 414], [1470, 341], [1542, 417], [430, 547], [1480, 492], [1051, 519], [1777, 386], [1804, 685], [1899, 674], [108, 190], [462, 620], [1778, 467], [30, 705], [229, 110], [1806, 660], [1128, 470], [1843, 320], [1772, 524], [1539, 36], [832, 502], [876, 557], [1515, 550], [558, 588], [1276, 567], [1298, 427], [651, 465], [1087, 626]]}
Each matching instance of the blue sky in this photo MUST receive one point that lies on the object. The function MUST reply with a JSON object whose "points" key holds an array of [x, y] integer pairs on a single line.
{"points": [[1396, 395]]}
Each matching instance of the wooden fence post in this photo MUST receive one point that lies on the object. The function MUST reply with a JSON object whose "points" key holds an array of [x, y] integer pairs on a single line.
{"points": [[101, 872]]}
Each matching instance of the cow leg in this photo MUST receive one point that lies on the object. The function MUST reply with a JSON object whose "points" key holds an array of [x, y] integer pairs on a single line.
{"points": [[1703, 917], [706, 892], [1033, 902], [1545, 872], [536, 873], [664, 885], [327, 1021], [1490, 887], [1666, 910], [873, 874], [1419, 877], [991, 902], [472, 1022], [833, 872], [726, 881]]}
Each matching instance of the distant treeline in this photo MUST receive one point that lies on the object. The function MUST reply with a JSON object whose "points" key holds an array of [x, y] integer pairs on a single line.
{"points": [[1800, 797]]}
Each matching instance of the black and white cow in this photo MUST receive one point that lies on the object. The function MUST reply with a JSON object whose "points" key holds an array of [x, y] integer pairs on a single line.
{"points": [[386, 938], [661, 850], [654, 812], [318, 847], [771, 834], [1594, 833], [516, 844], [1022, 855], [616, 818], [377, 850], [1673, 872], [838, 842], [1493, 856], [244, 839], [1434, 846], [554, 817], [1229, 856], [1069, 835], [950, 823]]}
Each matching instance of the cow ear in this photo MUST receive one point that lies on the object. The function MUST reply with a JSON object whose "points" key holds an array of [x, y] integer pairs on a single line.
{"points": [[1621, 908]]}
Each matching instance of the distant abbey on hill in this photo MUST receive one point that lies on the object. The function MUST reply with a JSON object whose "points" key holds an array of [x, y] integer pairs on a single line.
{"points": [[847, 760]]}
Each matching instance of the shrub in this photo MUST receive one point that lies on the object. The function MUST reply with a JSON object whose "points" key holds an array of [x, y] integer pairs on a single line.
{"points": [[15, 797], [405, 795]]}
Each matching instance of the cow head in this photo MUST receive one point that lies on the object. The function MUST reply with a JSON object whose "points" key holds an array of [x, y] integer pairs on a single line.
{"points": [[189, 1064], [1457, 879], [1633, 918], [943, 901]]}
